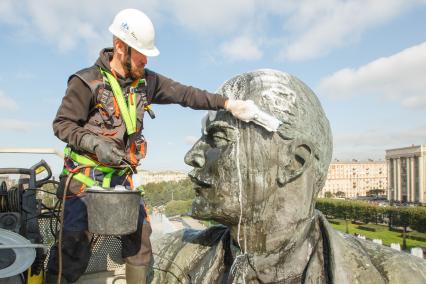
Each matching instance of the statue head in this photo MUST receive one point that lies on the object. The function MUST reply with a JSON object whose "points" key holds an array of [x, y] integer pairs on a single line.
{"points": [[243, 173]]}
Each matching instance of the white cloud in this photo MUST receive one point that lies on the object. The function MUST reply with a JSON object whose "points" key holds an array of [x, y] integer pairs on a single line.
{"points": [[309, 29], [67, 24], [416, 102], [373, 143], [241, 48], [8, 12], [17, 125], [329, 24], [190, 140], [7, 103], [299, 30], [211, 16], [399, 77]]}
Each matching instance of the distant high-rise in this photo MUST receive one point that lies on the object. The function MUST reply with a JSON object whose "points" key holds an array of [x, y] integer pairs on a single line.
{"points": [[407, 174]]}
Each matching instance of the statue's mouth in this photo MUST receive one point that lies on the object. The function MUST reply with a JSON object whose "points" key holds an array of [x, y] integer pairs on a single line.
{"points": [[198, 185]]}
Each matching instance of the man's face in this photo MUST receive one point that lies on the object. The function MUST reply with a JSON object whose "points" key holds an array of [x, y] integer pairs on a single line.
{"points": [[138, 62], [233, 162]]}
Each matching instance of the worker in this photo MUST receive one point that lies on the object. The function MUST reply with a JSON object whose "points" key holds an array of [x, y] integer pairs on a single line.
{"points": [[101, 120]]}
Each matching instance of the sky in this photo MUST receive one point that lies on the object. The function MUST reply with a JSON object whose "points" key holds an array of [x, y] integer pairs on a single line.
{"points": [[365, 60]]}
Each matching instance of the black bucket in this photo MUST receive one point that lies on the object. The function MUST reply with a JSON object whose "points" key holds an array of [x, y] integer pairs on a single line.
{"points": [[112, 212]]}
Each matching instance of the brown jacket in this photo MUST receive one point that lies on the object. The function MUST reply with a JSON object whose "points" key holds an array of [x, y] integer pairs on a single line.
{"points": [[88, 106]]}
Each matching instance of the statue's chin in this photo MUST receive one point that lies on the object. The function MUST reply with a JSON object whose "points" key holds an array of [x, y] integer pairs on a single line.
{"points": [[201, 209]]}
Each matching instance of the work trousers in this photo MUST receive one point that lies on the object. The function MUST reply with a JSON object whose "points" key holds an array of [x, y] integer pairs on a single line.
{"points": [[76, 240]]}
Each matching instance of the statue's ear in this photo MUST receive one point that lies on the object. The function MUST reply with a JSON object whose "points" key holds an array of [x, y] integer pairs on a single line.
{"points": [[301, 158]]}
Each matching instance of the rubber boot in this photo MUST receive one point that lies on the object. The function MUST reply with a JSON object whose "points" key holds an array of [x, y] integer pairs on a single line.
{"points": [[135, 274]]}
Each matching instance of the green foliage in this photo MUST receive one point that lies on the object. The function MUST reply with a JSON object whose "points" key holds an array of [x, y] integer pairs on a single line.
{"points": [[178, 207], [382, 233], [417, 236], [350, 210], [157, 194], [48, 195], [418, 219], [359, 211], [334, 221], [403, 217], [367, 228], [175, 196]]}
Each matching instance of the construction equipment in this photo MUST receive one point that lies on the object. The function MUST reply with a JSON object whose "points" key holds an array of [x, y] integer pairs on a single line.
{"points": [[30, 211], [21, 242]]}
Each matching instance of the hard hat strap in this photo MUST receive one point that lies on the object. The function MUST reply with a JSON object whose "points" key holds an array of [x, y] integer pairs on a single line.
{"points": [[128, 64]]}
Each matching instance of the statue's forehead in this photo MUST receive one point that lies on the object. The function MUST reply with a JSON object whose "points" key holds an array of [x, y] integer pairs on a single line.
{"points": [[211, 117], [219, 119], [272, 91]]}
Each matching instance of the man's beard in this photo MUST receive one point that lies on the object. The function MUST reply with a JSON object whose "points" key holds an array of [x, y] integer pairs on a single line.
{"points": [[135, 72]]}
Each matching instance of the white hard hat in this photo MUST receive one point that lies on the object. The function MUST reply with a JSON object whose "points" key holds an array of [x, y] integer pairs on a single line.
{"points": [[135, 29]]}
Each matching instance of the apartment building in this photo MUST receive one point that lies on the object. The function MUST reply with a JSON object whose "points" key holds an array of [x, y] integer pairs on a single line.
{"points": [[407, 174], [355, 178]]}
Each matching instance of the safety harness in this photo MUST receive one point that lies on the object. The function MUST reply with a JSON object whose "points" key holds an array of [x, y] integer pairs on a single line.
{"points": [[128, 111], [128, 114], [83, 160]]}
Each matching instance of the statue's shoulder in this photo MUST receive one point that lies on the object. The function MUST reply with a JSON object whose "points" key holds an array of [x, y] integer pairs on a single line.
{"points": [[353, 260], [189, 237], [396, 267], [188, 254]]}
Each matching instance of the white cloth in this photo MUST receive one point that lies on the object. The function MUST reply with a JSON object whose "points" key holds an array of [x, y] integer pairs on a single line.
{"points": [[248, 111]]}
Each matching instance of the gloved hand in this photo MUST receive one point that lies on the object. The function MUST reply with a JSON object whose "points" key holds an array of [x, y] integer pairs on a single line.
{"points": [[248, 111], [106, 152], [243, 110]]}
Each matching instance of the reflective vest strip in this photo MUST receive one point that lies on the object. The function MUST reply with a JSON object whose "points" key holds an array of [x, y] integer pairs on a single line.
{"points": [[82, 160], [128, 115], [81, 178], [107, 180]]}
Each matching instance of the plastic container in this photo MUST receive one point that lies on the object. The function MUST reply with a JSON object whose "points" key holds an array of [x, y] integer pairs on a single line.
{"points": [[112, 212]]}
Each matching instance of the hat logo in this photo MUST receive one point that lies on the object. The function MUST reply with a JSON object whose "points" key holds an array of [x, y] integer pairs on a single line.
{"points": [[124, 27]]}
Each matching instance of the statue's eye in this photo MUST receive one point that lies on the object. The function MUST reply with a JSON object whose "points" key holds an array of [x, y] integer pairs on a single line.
{"points": [[217, 138], [220, 134]]}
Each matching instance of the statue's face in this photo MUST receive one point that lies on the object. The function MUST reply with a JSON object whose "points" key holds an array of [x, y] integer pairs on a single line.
{"points": [[242, 170], [234, 161]]}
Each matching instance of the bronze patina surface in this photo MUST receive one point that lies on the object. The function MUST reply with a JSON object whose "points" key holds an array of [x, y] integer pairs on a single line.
{"points": [[261, 187]]}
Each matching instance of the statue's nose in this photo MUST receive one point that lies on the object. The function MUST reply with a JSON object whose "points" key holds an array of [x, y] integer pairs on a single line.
{"points": [[195, 157]]}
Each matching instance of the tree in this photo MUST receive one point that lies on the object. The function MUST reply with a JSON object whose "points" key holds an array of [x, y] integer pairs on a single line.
{"points": [[343, 210], [392, 214], [340, 194], [158, 194], [328, 194], [402, 219], [178, 207], [418, 219]]}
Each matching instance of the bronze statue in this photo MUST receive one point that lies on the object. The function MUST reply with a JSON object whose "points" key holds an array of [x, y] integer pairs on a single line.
{"points": [[261, 186]]}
